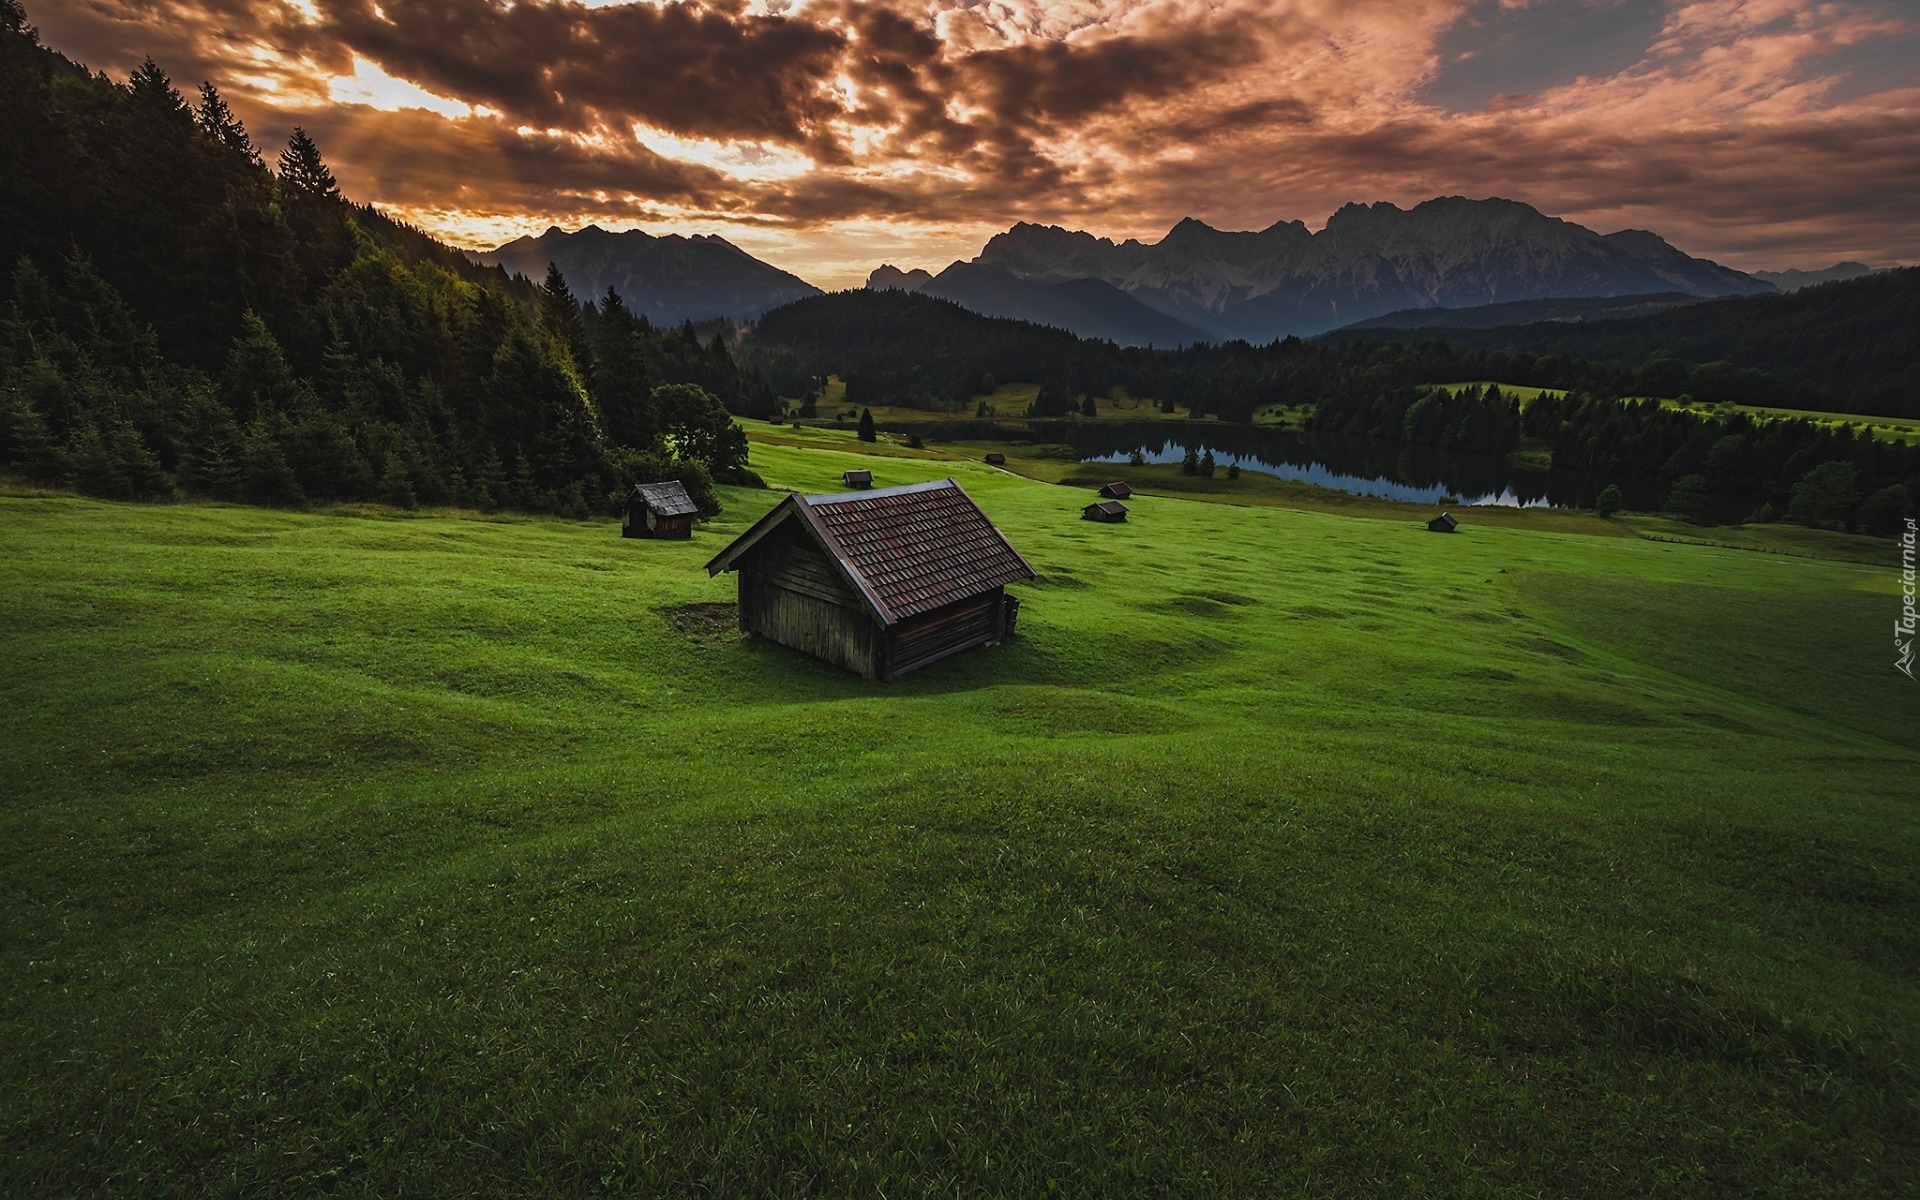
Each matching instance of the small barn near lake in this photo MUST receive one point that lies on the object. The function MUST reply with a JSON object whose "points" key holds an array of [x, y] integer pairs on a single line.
{"points": [[881, 582], [857, 479], [1117, 490], [1444, 523], [659, 510], [1112, 512]]}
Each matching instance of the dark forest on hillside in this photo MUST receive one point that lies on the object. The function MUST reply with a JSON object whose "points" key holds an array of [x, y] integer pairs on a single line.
{"points": [[180, 317], [1846, 347], [898, 348]]}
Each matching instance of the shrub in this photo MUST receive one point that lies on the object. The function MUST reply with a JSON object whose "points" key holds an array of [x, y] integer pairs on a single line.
{"points": [[1609, 501]]}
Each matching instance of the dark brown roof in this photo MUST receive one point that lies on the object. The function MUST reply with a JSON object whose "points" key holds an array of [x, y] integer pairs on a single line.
{"points": [[668, 499], [1118, 489], [908, 550], [857, 476], [1112, 508]]}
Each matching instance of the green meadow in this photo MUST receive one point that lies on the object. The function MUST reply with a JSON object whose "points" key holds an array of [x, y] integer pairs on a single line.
{"points": [[1285, 852]]}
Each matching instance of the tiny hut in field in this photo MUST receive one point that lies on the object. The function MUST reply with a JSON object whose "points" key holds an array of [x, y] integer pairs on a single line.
{"points": [[857, 479], [1444, 523], [1117, 490], [882, 582], [1112, 512], [996, 459], [659, 510]]}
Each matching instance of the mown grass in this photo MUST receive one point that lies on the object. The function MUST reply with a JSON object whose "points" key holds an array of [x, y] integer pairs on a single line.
{"points": [[1282, 853], [1886, 429]]}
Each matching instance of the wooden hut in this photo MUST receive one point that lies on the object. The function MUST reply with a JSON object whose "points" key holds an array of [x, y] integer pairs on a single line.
{"points": [[996, 459], [857, 479], [659, 510], [1110, 511], [881, 582], [1117, 490], [1444, 523], [776, 419]]}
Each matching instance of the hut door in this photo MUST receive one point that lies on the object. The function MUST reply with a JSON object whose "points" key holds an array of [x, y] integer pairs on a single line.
{"points": [[653, 522]]}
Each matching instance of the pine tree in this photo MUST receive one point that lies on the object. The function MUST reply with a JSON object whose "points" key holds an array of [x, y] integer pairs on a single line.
{"points": [[25, 442], [1207, 464], [559, 315], [396, 488], [219, 123], [1190, 465], [303, 170], [867, 433], [265, 475]]}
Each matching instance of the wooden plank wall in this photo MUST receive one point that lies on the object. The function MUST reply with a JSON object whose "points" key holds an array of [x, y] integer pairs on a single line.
{"points": [[933, 636], [792, 596]]}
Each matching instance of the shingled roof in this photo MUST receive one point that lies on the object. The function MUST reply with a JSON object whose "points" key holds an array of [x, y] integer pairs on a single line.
{"points": [[908, 550], [668, 499]]}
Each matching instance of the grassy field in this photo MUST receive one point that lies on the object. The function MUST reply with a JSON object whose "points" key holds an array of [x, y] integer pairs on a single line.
{"points": [[1283, 853], [1886, 429]]}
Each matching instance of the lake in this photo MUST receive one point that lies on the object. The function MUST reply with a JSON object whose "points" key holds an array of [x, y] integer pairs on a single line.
{"points": [[1416, 474]]}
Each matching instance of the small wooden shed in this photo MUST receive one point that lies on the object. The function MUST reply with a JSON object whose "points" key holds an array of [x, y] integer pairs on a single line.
{"points": [[857, 479], [881, 582], [776, 419], [659, 510], [1444, 523], [1110, 511], [1117, 490], [996, 459]]}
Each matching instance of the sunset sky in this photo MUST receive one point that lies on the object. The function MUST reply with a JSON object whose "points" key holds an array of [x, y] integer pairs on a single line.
{"points": [[828, 136]]}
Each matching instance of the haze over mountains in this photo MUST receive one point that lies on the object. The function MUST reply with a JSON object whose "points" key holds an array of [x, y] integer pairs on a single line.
{"points": [[667, 279], [1199, 283], [1369, 260]]}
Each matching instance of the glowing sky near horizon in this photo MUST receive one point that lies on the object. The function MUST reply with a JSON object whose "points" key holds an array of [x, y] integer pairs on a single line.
{"points": [[828, 136]]}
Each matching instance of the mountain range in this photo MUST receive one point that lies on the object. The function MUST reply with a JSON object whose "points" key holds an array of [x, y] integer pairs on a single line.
{"points": [[668, 279], [1369, 260]]}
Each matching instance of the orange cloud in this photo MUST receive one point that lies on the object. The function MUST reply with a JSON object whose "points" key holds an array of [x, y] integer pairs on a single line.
{"points": [[1763, 132]]}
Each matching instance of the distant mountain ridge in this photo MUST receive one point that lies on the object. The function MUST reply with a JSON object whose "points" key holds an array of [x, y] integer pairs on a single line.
{"points": [[668, 279], [1369, 260], [1793, 280]]}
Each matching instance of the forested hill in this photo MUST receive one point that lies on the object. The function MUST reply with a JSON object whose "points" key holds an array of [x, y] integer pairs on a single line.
{"points": [[1851, 346], [179, 317]]}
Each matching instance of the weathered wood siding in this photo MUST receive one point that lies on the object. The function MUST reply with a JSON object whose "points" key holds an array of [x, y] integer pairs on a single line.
{"points": [[933, 636], [791, 594]]}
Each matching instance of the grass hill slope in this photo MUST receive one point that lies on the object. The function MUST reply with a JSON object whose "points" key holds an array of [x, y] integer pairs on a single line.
{"points": [[1281, 853]]}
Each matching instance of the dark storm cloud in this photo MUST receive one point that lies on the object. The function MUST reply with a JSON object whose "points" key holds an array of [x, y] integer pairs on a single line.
{"points": [[1770, 132]]}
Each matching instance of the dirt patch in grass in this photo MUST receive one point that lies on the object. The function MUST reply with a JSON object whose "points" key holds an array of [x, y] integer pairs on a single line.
{"points": [[707, 624]]}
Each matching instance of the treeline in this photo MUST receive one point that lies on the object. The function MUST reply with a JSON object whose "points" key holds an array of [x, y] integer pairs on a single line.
{"points": [[1708, 467], [895, 348], [1846, 347], [899, 348], [179, 317]]}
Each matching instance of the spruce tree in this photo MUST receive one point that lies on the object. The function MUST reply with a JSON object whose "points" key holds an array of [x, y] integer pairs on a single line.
{"points": [[303, 170], [217, 121], [867, 433]]}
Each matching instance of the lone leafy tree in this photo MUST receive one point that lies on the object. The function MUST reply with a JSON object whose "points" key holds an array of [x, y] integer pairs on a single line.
{"points": [[1826, 495], [1608, 502]]}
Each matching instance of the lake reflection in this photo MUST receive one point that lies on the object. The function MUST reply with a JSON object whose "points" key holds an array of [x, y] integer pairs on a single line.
{"points": [[1417, 474]]}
